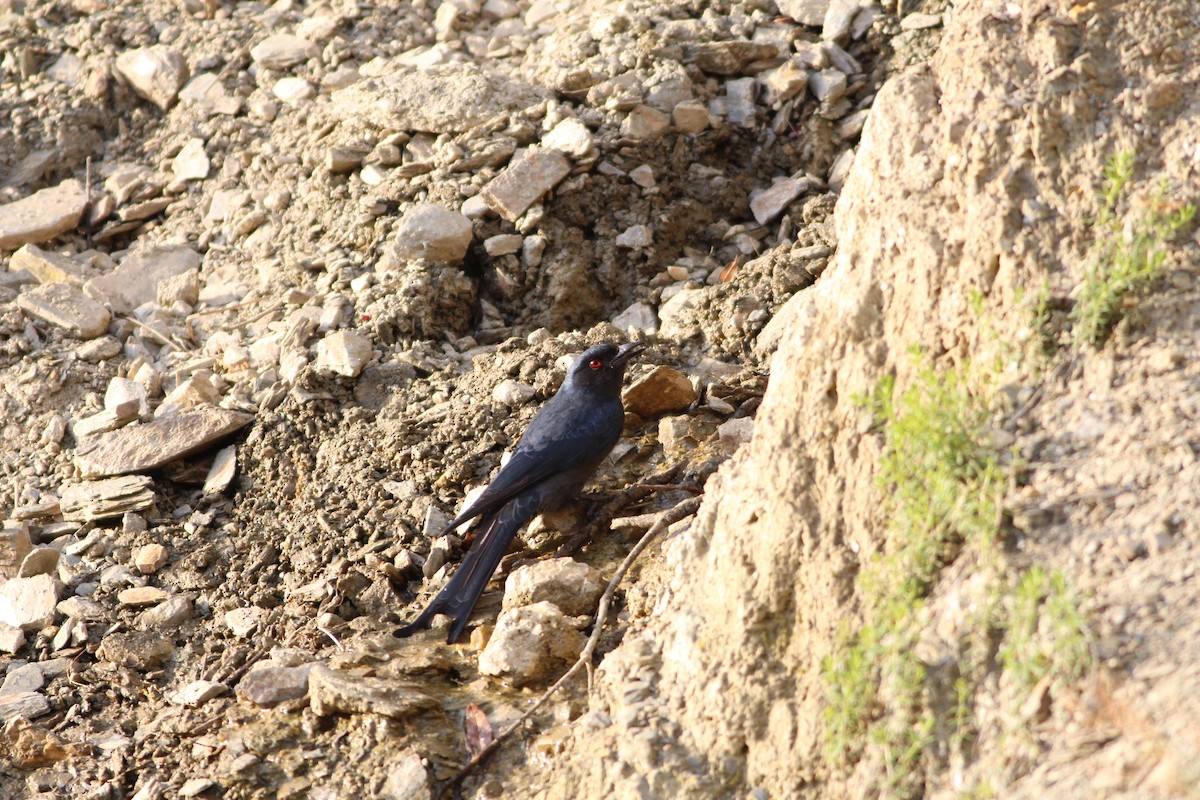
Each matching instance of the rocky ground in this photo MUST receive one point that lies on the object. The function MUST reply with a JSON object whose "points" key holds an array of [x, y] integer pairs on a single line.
{"points": [[283, 283]]}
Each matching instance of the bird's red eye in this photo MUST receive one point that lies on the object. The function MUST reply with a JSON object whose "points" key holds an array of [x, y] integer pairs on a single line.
{"points": [[595, 363]]}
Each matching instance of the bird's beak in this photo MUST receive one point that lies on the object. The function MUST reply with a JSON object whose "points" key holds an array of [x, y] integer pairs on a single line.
{"points": [[626, 352]]}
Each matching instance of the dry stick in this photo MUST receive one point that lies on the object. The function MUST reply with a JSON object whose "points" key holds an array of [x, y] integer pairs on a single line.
{"points": [[156, 335], [666, 518]]}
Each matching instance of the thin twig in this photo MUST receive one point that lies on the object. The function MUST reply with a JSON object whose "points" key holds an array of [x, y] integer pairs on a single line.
{"points": [[665, 519], [156, 335]]}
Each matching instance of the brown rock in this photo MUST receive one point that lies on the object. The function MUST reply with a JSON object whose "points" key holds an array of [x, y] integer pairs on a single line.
{"points": [[150, 558], [729, 57], [663, 391], [141, 596], [268, 686]]}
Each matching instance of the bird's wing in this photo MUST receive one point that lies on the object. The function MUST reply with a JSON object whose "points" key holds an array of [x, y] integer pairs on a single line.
{"points": [[565, 434]]}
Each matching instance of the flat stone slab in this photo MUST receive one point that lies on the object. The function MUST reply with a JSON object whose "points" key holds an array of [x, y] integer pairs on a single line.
{"points": [[331, 692], [448, 98], [197, 693], [283, 50], [525, 181], [66, 306], [23, 704], [141, 651], [106, 499], [143, 447], [43, 215], [48, 267], [769, 203]]}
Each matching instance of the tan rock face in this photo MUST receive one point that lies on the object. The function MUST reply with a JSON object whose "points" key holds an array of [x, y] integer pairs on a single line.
{"points": [[931, 210]]}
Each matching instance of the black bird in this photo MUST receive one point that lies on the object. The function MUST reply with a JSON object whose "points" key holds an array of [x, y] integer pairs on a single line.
{"points": [[561, 448]]}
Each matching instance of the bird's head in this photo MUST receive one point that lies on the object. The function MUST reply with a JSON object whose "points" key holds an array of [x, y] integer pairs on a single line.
{"points": [[603, 366]]}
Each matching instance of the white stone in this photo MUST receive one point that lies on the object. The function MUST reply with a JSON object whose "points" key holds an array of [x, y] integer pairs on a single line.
{"points": [[525, 181], [244, 621], [156, 73], [66, 305], [572, 586], [42, 215], [23, 704], [123, 390], [672, 312], [635, 237], [344, 353], [29, 603], [430, 232], [197, 693], [135, 280], [770, 202], [828, 85], [206, 91], [529, 642], [740, 108], [839, 18], [918, 22], [571, 137], [282, 50], [533, 249], [47, 266], [807, 12], [638, 318], [192, 162], [643, 176], [503, 244], [735, 432], [293, 90], [12, 638], [513, 393], [407, 778]]}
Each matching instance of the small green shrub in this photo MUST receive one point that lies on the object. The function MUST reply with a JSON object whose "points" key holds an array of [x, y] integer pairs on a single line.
{"points": [[1128, 255]]}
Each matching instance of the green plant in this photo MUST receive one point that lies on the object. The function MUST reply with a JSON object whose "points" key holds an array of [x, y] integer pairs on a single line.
{"points": [[1045, 630], [1127, 257], [944, 487]]}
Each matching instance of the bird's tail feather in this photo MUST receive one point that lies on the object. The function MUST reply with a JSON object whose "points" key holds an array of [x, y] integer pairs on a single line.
{"points": [[466, 585]]}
